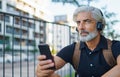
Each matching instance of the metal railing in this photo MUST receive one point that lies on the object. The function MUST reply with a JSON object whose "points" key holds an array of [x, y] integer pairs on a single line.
{"points": [[19, 37]]}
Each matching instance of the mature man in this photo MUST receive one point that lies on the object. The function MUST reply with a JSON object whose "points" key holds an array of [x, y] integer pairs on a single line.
{"points": [[90, 24]]}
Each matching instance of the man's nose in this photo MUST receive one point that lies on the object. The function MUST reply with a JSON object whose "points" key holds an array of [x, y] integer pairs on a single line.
{"points": [[81, 26]]}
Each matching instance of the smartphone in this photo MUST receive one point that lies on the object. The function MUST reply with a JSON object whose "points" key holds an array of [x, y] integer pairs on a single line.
{"points": [[45, 50]]}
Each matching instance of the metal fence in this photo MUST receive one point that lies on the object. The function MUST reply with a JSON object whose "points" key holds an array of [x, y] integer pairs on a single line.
{"points": [[19, 38]]}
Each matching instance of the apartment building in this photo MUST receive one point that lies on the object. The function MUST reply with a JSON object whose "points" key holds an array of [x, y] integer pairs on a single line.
{"points": [[28, 33]]}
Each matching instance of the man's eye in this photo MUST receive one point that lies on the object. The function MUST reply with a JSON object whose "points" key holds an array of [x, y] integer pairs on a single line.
{"points": [[88, 21], [77, 22]]}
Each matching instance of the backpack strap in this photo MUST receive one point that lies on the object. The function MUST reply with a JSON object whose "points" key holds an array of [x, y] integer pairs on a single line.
{"points": [[108, 55], [76, 56]]}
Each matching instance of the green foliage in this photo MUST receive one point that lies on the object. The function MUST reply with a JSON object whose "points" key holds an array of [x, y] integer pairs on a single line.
{"points": [[8, 48], [34, 50], [73, 75], [110, 22], [77, 2], [35, 47], [54, 51]]}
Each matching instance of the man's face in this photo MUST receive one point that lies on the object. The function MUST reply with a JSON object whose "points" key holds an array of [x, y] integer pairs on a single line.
{"points": [[86, 26]]}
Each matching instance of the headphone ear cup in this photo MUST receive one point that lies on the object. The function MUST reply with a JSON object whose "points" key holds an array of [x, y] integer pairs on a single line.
{"points": [[99, 26]]}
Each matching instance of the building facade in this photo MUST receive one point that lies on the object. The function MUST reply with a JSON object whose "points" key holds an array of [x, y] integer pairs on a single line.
{"points": [[24, 33], [28, 33]]}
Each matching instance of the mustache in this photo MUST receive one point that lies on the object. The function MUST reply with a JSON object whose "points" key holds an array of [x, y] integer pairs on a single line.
{"points": [[83, 31]]}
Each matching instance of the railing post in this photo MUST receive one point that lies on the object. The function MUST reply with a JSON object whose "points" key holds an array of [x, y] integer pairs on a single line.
{"points": [[70, 43]]}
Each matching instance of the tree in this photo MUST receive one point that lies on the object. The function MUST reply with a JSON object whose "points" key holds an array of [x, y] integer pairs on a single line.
{"points": [[110, 22], [75, 2]]}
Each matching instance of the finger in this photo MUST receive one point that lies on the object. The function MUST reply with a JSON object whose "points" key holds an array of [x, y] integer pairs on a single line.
{"points": [[55, 75], [44, 67], [41, 57], [44, 73], [48, 72], [44, 62]]}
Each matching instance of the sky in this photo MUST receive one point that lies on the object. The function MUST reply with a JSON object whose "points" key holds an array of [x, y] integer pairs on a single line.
{"points": [[60, 9]]}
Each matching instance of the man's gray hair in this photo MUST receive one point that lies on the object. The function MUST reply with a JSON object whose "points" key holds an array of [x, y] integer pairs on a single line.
{"points": [[96, 13]]}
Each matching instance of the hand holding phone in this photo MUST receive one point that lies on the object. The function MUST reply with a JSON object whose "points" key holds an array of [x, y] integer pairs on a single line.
{"points": [[45, 50]]}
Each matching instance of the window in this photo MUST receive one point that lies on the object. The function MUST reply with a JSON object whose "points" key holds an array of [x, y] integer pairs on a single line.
{"points": [[1, 17], [60, 18], [17, 20], [0, 27], [17, 11], [10, 8], [9, 29], [7, 18], [0, 5], [25, 23], [24, 14]]}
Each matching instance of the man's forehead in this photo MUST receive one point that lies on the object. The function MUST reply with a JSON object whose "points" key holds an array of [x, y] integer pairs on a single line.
{"points": [[84, 15]]}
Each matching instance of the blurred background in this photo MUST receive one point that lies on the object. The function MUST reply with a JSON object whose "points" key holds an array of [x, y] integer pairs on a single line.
{"points": [[24, 24]]}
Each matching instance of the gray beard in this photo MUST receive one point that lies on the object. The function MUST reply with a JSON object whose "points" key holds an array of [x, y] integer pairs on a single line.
{"points": [[89, 37]]}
